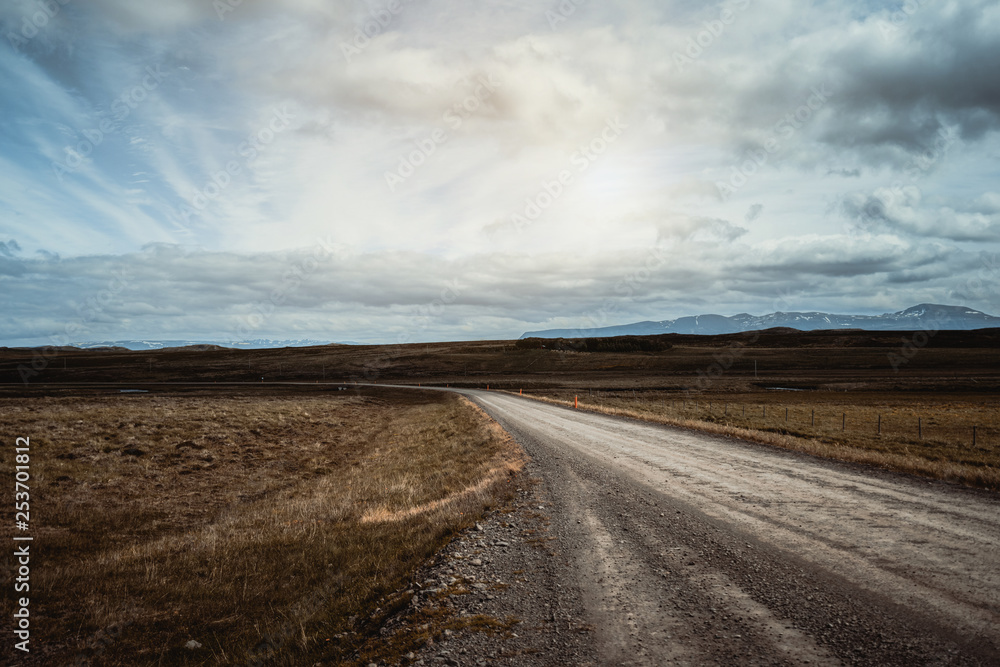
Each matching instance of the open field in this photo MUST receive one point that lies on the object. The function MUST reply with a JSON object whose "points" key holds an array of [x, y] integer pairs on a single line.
{"points": [[269, 523], [834, 360], [930, 389]]}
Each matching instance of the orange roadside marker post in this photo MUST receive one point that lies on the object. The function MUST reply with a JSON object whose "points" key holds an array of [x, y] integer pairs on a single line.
{"points": [[520, 392], [576, 401]]}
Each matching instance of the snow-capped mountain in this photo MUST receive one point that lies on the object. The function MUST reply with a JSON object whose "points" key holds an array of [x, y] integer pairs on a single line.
{"points": [[924, 316]]}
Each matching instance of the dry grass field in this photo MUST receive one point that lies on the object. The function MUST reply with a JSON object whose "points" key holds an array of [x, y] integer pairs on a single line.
{"points": [[835, 360], [951, 384], [928, 434], [265, 526]]}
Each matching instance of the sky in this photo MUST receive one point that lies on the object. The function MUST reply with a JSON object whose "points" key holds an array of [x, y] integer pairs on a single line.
{"points": [[416, 170]]}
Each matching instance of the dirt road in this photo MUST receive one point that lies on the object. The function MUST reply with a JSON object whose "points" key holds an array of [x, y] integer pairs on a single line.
{"points": [[686, 548]]}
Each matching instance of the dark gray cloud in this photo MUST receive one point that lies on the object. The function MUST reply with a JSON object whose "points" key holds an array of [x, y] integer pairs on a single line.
{"points": [[891, 87], [903, 211], [901, 91], [9, 248]]}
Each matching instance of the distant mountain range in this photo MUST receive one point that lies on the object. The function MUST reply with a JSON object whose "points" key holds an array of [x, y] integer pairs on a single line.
{"points": [[254, 344], [924, 316]]}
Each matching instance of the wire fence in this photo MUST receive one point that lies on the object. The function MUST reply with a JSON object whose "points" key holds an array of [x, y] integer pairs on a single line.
{"points": [[953, 425]]}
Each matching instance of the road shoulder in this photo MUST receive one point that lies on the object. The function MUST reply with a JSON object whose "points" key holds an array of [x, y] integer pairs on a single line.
{"points": [[501, 593]]}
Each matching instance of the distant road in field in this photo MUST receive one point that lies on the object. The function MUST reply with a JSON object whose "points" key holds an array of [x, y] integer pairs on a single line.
{"points": [[690, 548]]}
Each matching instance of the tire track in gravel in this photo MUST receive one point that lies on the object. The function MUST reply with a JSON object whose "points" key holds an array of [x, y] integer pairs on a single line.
{"points": [[639, 621], [624, 615], [691, 548]]}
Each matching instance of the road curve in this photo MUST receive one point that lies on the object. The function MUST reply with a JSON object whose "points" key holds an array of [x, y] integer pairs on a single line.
{"points": [[691, 548]]}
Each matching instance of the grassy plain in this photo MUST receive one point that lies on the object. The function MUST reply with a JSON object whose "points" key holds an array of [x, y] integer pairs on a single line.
{"points": [[947, 361], [266, 525]]}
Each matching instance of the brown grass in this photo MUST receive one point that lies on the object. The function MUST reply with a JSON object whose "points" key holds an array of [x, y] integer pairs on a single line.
{"points": [[830, 359], [260, 526], [845, 425]]}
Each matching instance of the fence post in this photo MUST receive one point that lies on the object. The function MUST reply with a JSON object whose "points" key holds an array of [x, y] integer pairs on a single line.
{"points": [[973, 436], [843, 422], [880, 424], [786, 414], [920, 429], [813, 419]]}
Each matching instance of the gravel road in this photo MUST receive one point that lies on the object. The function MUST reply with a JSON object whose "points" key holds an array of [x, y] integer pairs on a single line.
{"points": [[669, 546]]}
